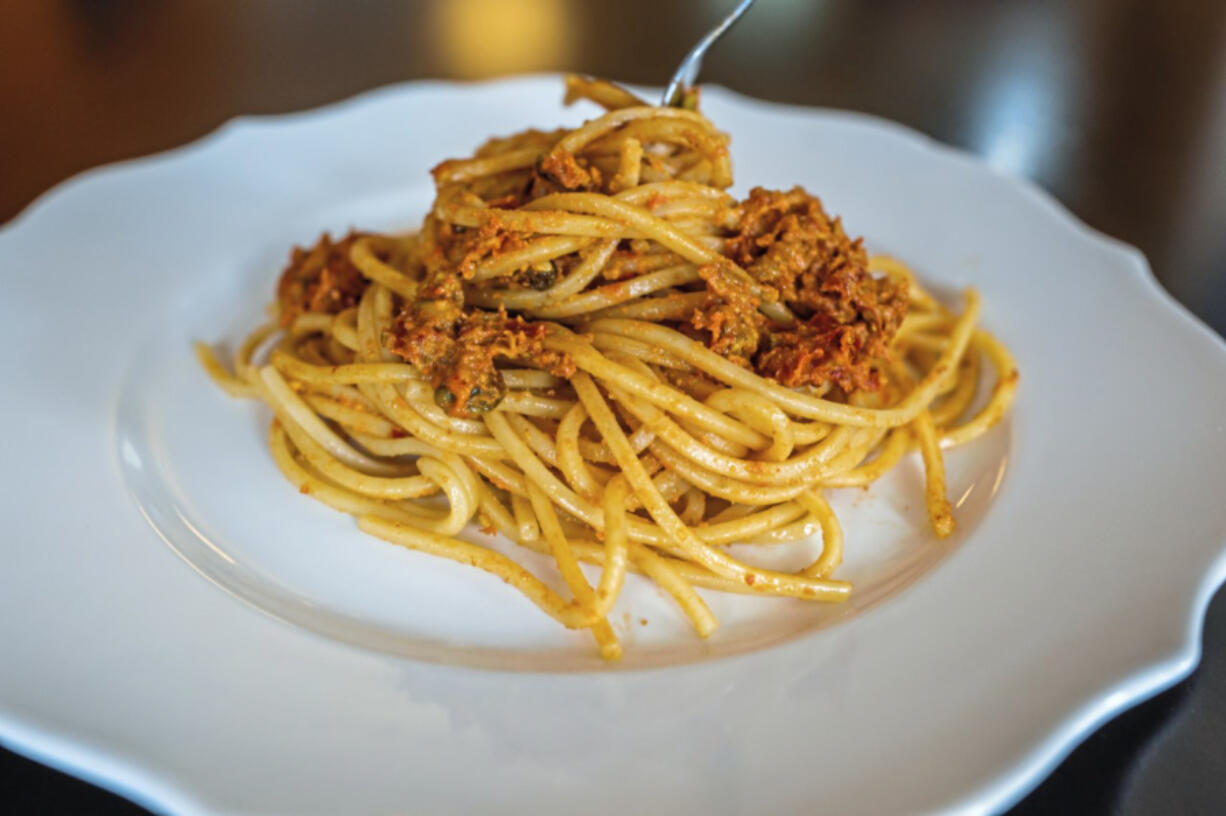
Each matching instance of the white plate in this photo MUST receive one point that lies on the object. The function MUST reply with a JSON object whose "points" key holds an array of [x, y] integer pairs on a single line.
{"points": [[1092, 524]]}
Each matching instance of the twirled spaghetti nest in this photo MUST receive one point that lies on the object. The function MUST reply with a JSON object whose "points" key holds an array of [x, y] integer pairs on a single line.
{"points": [[594, 350]]}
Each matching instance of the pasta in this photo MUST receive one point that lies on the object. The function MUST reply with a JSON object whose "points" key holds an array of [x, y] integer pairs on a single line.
{"points": [[594, 350]]}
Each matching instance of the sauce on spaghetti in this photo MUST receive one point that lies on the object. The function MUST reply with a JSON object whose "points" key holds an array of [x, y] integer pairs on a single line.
{"points": [[320, 279], [788, 242], [785, 241]]}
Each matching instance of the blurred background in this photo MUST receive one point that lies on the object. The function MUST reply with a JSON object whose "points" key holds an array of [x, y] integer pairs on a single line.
{"points": [[1116, 107]]}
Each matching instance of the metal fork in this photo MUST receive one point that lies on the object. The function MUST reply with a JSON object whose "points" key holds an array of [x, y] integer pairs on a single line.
{"points": [[687, 73]]}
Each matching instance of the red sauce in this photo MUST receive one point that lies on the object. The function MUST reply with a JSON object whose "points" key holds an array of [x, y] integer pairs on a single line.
{"points": [[320, 279], [788, 242]]}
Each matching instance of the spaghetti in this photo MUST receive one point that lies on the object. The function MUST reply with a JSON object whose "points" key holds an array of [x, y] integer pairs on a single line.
{"points": [[594, 350]]}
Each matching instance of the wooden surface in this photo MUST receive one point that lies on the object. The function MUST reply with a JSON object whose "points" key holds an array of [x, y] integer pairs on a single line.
{"points": [[1117, 107]]}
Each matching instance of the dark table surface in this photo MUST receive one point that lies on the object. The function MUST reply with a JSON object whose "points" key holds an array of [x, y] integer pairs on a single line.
{"points": [[1116, 107]]}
